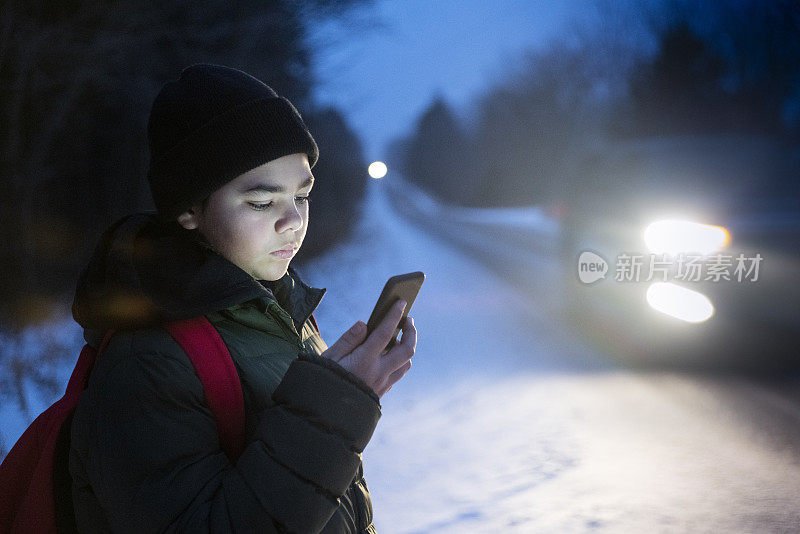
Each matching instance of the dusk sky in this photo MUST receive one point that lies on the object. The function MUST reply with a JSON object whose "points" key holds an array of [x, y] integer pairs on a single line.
{"points": [[383, 72]]}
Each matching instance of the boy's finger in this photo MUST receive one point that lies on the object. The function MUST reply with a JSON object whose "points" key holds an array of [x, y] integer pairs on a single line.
{"points": [[349, 341], [402, 352], [398, 374], [410, 333], [383, 333]]}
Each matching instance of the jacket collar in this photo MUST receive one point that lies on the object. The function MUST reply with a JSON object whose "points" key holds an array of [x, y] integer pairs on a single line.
{"points": [[293, 295]]}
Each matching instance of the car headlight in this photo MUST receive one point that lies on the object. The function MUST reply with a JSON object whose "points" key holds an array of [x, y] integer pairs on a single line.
{"points": [[675, 236], [679, 302]]}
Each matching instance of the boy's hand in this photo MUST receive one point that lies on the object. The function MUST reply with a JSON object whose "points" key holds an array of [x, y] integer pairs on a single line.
{"points": [[365, 357]]}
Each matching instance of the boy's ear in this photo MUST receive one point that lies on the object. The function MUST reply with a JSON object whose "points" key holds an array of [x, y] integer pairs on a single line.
{"points": [[188, 219]]}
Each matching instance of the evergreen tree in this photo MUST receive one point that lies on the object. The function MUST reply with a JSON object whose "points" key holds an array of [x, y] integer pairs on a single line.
{"points": [[438, 157]]}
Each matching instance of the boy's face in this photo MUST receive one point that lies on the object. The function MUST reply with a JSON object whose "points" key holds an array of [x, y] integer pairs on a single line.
{"points": [[256, 214]]}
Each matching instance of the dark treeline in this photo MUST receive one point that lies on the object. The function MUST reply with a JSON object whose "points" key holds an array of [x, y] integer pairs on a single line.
{"points": [[77, 79], [729, 68]]}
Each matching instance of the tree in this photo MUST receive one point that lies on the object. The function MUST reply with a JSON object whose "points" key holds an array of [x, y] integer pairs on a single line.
{"points": [[531, 127], [527, 131], [438, 157], [731, 68], [680, 91]]}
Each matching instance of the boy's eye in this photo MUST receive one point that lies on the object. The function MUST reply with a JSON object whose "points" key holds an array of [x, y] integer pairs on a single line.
{"points": [[263, 206]]}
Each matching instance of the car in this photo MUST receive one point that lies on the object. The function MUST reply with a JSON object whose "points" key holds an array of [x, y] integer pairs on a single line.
{"points": [[655, 210]]}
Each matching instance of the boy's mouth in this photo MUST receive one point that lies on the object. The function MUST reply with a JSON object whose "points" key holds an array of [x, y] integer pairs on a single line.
{"points": [[285, 252]]}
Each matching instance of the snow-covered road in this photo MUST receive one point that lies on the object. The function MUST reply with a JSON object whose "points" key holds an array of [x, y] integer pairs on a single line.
{"points": [[507, 422]]}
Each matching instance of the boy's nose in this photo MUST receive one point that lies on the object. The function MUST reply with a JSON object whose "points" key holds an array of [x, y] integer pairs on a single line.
{"points": [[291, 219]]}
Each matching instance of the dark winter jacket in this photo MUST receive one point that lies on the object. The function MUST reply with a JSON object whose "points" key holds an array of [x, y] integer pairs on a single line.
{"points": [[145, 454]]}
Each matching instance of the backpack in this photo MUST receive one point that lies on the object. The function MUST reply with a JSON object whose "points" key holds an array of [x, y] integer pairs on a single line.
{"points": [[35, 484]]}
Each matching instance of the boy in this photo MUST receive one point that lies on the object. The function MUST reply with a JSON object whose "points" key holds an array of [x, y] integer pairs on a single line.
{"points": [[230, 175]]}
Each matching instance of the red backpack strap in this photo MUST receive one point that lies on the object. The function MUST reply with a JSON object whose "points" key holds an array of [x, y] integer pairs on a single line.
{"points": [[214, 366]]}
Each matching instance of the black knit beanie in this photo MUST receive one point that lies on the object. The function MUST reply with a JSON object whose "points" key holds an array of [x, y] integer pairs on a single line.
{"points": [[212, 124]]}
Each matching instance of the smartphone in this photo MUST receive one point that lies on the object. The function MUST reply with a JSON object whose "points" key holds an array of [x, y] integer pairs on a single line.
{"points": [[399, 287]]}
